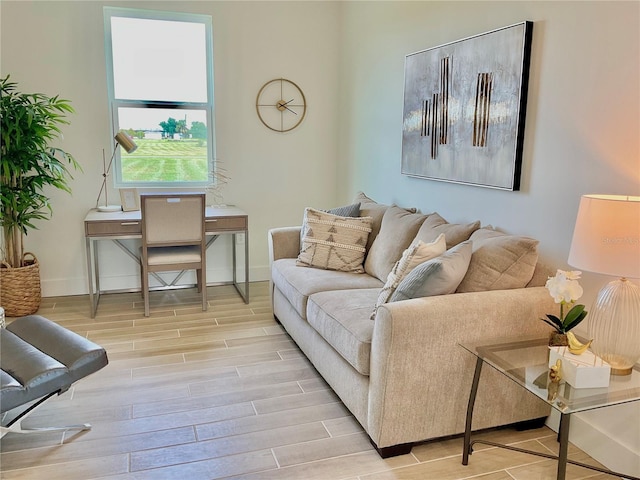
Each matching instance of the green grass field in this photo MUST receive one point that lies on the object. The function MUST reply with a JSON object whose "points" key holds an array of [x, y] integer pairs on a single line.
{"points": [[166, 161]]}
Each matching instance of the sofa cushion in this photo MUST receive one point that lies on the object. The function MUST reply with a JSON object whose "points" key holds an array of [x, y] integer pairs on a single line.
{"points": [[455, 233], [499, 261], [438, 276], [297, 283], [333, 242], [342, 319], [398, 229], [375, 210], [413, 256]]}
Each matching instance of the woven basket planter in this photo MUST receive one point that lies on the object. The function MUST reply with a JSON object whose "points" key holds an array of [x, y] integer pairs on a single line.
{"points": [[20, 292]]}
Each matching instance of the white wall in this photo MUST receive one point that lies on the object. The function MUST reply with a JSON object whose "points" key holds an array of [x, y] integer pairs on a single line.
{"points": [[58, 48], [582, 134], [583, 120]]}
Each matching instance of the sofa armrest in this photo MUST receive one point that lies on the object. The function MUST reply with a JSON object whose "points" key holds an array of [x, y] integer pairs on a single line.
{"points": [[415, 354], [284, 242]]}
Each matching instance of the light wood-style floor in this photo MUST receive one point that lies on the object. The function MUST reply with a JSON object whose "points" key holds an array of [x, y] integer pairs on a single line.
{"points": [[225, 394]]}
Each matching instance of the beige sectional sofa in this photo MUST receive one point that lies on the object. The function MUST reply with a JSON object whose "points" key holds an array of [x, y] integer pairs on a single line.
{"points": [[403, 374]]}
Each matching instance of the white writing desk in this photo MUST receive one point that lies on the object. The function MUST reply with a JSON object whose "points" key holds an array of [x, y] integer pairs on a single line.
{"points": [[118, 226]]}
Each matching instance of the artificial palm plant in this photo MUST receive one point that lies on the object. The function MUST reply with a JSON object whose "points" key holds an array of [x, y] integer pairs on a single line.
{"points": [[29, 165]]}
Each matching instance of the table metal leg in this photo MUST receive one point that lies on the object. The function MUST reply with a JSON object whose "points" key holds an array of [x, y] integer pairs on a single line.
{"points": [[563, 435], [246, 266], [244, 292], [472, 400], [92, 306]]}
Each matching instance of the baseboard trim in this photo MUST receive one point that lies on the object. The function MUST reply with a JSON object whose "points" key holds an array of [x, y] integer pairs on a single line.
{"points": [[598, 444]]}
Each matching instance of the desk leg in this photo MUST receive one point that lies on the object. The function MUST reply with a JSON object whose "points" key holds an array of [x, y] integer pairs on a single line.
{"points": [[87, 245], [244, 293], [246, 266], [563, 434], [472, 400]]}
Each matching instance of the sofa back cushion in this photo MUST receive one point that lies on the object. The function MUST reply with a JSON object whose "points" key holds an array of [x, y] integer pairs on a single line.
{"points": [[398, 229], [333, 242], [455, 233], [375, 210], [499, 261]]}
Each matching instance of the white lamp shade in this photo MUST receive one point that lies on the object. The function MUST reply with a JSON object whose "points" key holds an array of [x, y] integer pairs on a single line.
{"points": [[606, 238]]}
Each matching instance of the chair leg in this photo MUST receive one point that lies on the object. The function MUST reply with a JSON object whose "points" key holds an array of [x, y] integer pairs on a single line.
{"points": [[17, 428], [15, 425], [203, 287]]}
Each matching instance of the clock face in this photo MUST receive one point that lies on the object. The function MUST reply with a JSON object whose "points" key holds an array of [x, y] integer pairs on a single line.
{"points": [[281, 105]]}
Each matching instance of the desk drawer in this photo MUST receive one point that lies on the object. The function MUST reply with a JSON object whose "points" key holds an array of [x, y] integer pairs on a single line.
{"points": [[225, 224], [117, 227]]}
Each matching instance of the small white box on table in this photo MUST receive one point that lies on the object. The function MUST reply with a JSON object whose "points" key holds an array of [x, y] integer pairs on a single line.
{"points": [[581, 371]]}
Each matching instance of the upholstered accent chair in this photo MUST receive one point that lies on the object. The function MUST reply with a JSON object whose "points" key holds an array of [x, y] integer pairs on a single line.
{"points": [[40, 359]]}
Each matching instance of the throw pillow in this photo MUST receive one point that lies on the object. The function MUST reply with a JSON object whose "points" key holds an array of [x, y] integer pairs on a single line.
{"points": [[333, 242], [414, 255], [455, 233], [438, 276], [344, 211], [499, 261], [398, 229], [352, 210]]}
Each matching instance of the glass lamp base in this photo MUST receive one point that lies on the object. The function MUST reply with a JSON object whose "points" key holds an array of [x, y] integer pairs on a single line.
{"points": [[614, 325]]}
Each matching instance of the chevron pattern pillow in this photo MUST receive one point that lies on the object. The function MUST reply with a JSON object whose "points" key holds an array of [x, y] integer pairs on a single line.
{"points": [[333, 242]]}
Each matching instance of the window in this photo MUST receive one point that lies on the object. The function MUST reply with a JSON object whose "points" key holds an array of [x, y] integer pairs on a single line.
{"points": [[160, 85]]}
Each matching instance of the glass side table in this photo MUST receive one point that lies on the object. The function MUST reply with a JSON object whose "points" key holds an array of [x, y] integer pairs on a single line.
{"points": [[525, 362]]}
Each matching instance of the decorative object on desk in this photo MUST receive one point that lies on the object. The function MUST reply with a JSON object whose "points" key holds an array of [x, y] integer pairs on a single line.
{"points": [[130, 200], [126, 142], [555, 376], [581, 371], [576, 346], [464, 109], [29, 166], [219, 179], [565, 290], [606, 240]]}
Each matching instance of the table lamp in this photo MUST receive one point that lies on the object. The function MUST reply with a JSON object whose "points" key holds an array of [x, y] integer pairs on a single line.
{"points": [[606, 240], [126, 142]]}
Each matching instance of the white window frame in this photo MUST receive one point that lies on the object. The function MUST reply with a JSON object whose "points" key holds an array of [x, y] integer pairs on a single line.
{"points": [[115, 103]]}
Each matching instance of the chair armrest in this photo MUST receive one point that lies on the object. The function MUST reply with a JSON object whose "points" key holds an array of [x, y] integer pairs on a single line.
{"points": [[421, 377], [284, 242]]}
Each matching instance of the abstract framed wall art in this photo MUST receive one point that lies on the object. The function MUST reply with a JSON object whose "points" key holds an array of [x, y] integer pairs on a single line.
{"points": [[464, 109]]}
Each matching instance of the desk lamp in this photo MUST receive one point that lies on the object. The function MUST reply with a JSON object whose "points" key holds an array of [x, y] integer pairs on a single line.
{"points": [[606, 240], [126, 142]]}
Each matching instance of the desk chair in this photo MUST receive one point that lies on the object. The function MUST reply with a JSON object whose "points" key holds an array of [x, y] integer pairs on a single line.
{"points": [[173, 238]]}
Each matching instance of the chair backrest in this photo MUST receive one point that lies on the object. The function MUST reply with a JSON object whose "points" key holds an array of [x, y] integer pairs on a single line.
{"points": [[172, 219]]}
